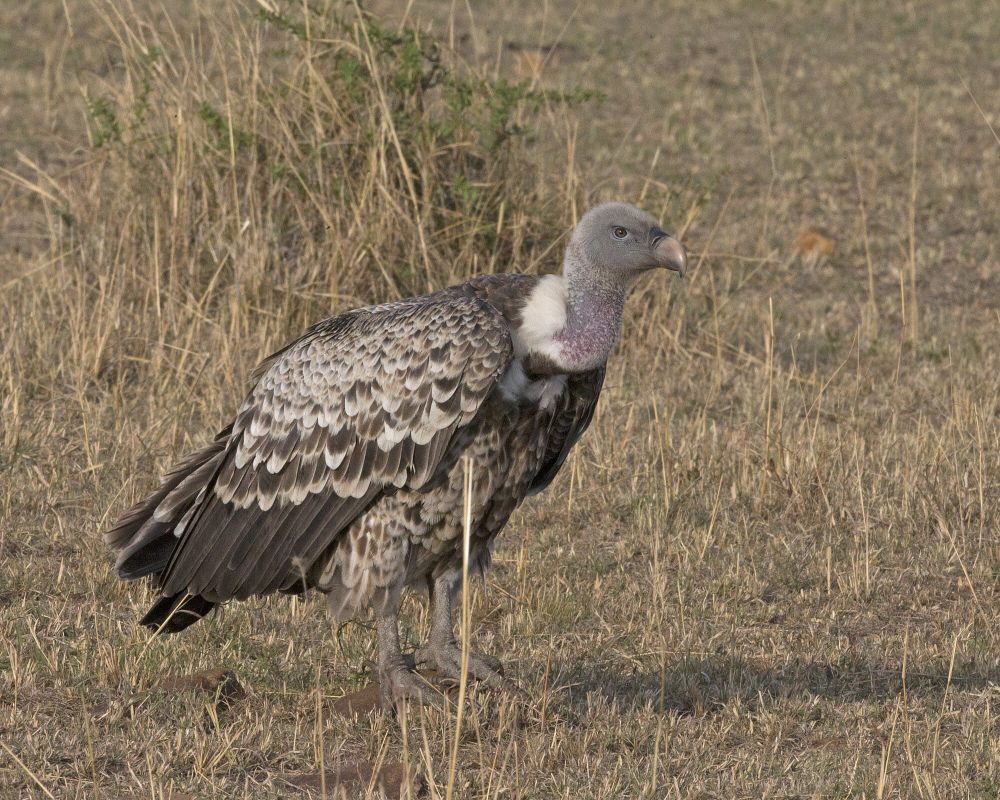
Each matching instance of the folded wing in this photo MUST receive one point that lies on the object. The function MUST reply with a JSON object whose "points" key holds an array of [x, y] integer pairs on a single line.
{"points": [[572, 418], [361, 405]]}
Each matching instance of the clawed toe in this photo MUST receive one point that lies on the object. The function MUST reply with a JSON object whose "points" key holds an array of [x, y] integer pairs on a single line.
{"points": [[446, 661], [490, 662], [399, 684]]}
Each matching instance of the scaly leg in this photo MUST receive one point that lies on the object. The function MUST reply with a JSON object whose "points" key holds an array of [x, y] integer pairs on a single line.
{"points": [[442, 653], [397, 682]]}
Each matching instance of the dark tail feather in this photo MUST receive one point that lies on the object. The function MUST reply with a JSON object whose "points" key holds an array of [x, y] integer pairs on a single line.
{"points": [[144, 536], [173, 614]]}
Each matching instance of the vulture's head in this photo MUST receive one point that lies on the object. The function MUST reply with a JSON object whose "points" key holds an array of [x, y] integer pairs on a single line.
{"points": [[619, 239]]}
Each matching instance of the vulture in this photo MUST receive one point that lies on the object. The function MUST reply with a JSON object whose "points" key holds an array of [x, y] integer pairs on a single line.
{"points": [[344, 470]]}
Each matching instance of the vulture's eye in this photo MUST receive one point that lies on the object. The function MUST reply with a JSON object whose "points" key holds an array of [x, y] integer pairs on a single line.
{"points": [[620, 233]]}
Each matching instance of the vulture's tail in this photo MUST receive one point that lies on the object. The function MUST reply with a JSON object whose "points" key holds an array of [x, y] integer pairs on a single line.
{"points": [[172, 614], [145, 536]]}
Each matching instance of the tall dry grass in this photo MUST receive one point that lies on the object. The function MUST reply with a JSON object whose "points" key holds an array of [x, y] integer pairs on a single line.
{"points": [[274, 167]]}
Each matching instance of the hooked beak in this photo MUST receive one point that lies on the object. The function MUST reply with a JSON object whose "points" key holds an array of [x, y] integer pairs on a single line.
{"points": [[669, 253]]}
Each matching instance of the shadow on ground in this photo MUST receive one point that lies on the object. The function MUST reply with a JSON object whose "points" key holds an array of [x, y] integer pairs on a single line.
{"points": [[706, 685]]}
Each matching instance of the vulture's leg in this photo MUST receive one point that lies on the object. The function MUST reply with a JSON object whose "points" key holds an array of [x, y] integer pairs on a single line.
{"points": [[397, 682], [442, 653]]}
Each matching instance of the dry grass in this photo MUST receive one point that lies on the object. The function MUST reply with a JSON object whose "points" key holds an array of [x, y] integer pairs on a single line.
{"points": [[771, 569]]}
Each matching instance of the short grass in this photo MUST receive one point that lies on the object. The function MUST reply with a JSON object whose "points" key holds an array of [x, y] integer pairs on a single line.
{"points": [[771, 568]]}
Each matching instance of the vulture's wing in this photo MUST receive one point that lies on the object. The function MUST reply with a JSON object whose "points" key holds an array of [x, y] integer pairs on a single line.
{"points": [[570, 421], [362, 403]]}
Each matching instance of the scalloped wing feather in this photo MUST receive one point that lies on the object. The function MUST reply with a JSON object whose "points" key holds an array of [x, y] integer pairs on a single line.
{"points": [[363, 403]]}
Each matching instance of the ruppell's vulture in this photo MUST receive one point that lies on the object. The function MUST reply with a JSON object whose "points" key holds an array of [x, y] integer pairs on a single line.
{"points": [[343, 470]]}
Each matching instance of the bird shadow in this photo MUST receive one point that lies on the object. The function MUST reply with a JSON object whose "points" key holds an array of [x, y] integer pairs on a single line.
{"points": [[705, 685]]}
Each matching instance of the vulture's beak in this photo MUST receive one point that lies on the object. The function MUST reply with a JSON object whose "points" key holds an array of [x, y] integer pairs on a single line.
{"points": [[670, 253]]}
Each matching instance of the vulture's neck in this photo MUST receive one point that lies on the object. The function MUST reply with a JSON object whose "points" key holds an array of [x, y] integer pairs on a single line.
{"points": [[573, 320]]}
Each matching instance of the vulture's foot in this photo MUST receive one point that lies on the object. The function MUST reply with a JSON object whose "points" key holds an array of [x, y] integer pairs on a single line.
{"points": [[398, 684], [446, 661]]}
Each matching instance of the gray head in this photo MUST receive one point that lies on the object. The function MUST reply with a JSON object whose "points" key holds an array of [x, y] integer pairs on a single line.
{"points": [[611, 246], [623, 242]]}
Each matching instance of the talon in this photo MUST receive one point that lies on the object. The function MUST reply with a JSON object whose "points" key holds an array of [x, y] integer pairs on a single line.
{"points": [[446, 661], [398, 684]]}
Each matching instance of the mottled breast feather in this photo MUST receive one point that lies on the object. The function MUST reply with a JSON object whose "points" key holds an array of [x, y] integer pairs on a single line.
{"points": [[361, 405]]}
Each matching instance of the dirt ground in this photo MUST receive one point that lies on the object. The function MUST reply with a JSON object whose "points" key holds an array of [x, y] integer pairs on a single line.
{"points": [[770, 569]]}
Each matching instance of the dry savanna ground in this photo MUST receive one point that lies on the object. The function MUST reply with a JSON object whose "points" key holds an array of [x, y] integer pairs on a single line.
{"points": [[770, 569]]}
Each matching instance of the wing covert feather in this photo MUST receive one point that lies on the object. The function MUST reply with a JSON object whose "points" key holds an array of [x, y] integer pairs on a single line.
{"points": [[361, 404]]}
